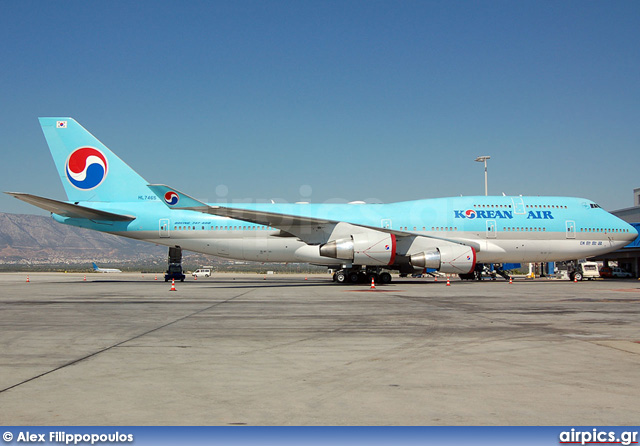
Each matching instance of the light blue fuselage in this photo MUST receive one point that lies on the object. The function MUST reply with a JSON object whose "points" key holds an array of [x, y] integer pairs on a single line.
{"points": [[504, 229], [447, 234]]}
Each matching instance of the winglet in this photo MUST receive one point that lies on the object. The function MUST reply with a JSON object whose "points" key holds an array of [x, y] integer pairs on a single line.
{"points": [[175, 199]]}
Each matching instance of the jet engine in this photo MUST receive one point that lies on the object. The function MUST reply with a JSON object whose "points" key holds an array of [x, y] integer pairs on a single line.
{"points": [[455, 259], [369, 248]]}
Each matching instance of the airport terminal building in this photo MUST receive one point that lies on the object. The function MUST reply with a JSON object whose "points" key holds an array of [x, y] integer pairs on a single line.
{"points": [[628, 258]]}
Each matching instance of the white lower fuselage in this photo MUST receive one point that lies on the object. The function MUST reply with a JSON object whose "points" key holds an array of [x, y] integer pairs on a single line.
{"points": [[268, 247]]}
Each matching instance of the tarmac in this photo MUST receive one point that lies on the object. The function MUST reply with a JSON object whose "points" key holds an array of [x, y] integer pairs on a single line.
{"points": [[247, 349]]}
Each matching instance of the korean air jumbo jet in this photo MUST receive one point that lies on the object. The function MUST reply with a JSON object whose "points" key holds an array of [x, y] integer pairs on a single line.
{"points": [[450, 235]]}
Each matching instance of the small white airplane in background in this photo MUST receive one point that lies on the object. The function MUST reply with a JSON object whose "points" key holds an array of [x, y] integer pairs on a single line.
{"points": [[97, 269]]}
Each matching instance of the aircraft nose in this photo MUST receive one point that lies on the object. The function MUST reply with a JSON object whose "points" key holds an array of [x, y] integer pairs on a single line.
{"points": [[632, 234]]}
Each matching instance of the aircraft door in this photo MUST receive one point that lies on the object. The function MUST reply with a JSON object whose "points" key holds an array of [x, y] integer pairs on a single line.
{"points": [[385, 223], [164, 228], [571, 229], [491, 229], [518, 206]]}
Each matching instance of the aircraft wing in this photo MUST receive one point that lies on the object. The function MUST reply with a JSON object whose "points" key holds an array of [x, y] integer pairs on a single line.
{"points": [[179, 200], [68, 209], [308, 229]]}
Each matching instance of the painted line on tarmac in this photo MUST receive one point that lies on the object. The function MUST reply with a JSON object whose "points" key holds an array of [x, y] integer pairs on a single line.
{"points": [[91, 355]]}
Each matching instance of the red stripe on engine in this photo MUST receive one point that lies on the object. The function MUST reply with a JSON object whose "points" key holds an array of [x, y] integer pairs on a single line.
{"points": [[393, 250], [473, 266]]}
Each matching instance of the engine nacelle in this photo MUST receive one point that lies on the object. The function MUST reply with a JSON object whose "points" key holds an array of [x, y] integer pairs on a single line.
{"points": [[454, 259], [369, 248]]}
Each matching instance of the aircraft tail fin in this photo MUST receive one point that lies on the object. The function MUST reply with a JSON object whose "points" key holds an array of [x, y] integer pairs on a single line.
{"points": [[95, 267], [88, 169]]}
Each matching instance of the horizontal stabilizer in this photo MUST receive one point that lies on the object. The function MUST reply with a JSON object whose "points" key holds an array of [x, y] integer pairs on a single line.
{"points": [[68, 209]]}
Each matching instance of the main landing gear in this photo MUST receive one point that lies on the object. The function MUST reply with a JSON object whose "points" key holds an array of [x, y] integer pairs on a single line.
{"points": [[361, 276]]}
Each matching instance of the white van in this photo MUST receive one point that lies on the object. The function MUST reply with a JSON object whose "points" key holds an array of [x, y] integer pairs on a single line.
{"points": [[202, 272]]}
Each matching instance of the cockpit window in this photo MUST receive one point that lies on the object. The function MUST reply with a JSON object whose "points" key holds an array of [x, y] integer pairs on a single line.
{"points": [[595, 206]]}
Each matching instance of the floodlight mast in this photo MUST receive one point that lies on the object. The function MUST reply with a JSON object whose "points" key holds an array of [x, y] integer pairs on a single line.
{"points": [[484, 159]]}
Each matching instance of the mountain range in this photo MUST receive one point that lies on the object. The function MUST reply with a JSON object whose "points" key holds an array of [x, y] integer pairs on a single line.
{"points": [[37, 243], [29, 239]]}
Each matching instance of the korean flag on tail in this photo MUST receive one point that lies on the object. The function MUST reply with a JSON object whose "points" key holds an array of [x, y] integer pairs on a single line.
{"points": [[61, 124]]}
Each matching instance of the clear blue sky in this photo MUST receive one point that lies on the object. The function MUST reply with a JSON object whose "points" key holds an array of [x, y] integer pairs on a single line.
{"points": [[330, 100]]}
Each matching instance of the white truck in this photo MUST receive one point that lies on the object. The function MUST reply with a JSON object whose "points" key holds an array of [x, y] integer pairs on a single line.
{"points": [[585, 270]]}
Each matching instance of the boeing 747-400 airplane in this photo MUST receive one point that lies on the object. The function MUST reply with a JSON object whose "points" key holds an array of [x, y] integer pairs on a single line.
{"points": [[450, 235]]}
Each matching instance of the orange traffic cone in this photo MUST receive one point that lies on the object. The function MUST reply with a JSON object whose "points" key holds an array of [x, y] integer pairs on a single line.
{"points": [[435, 278], [156, 278], [448, 283], [173, 285], [195, 277], [510, 279], [27, 279], [575, 279], [85, 278], [373, 284], [305, 278]]}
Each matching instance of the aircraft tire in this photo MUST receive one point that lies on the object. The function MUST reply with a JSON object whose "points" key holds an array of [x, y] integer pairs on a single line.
{"points": [[340, 277], [354, 277], [385, 278]]}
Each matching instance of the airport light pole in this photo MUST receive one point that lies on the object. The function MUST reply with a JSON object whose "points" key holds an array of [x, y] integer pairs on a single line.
{"points": [[484, 159]]}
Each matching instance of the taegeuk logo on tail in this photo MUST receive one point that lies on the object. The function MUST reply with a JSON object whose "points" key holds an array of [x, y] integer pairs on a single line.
{"points": [[86, 168], [171, 198]]}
